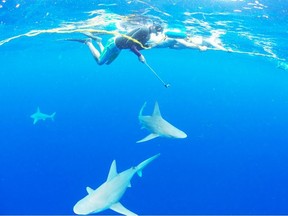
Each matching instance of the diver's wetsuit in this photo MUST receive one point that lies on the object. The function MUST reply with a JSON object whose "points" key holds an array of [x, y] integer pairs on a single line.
{"points": [[115, 45], [140, 34]]}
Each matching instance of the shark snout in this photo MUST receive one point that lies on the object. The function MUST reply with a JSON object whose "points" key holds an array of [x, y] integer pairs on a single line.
{"points": [[181, 135], [76, 211], [79, 209]]}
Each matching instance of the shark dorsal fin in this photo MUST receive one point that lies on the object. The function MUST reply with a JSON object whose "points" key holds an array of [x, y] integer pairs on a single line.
{"points": [[38, 109], [112, 171], [89, 190], [149, 137], [156, 112], [118, 207]]}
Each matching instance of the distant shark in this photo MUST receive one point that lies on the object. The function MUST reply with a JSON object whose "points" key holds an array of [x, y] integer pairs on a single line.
{"points": [[41, 116], [107, 196], [158, 126]]}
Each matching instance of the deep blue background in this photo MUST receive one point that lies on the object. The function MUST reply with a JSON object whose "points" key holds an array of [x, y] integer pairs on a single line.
{"points": [[233, 108]]}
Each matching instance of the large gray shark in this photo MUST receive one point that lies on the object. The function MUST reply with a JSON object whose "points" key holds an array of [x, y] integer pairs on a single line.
{"points": [[107, 196], [41, 116], [158, 126]]}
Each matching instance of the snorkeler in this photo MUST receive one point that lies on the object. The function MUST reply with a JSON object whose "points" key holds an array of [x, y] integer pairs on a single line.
{"points": [[134, 40]]}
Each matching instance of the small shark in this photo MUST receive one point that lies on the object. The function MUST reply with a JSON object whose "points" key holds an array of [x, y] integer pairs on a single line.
{"points": [[107, 196], [158, 126], [41, 116], [282, 65]]}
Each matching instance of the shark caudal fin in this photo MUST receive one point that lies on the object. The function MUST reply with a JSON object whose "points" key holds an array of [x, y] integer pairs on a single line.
{"points": [[142, 165], [148, 120], [142, 108]]}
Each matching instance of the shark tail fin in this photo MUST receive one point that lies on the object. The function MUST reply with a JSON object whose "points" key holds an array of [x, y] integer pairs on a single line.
{"points": [[52, 116], [142, 165], [141, 110]]}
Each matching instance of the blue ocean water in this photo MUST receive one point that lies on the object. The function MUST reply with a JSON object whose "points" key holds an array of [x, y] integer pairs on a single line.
{"points": [[232, 104]]}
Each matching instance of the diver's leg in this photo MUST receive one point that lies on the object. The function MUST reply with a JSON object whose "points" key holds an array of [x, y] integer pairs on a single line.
{"points": [[99, 43], [93, 50], [109, 53], [98, 40], [92, 36]]}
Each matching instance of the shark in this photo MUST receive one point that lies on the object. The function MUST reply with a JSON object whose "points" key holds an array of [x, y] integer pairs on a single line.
{"points": [[108, 195], [158, 126], [41, 116]]}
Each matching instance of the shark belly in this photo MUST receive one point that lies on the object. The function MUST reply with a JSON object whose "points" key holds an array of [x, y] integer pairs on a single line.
{"points": [[151, 124], [161, 127], [168, 130], [106, 195]]}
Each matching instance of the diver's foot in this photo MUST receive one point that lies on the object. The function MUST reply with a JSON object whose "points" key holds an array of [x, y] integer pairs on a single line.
{"points": [[84, 41], [90, 35], [88, 40], [76, 40]]}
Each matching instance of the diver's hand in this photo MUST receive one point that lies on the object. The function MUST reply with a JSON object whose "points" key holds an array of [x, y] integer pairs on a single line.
{"points": [[142, 59]]}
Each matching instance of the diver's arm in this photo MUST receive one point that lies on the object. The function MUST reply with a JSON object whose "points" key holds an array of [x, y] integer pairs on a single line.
{"points": [[134, 49], [186, 43], [136, 52], [182, 42]]}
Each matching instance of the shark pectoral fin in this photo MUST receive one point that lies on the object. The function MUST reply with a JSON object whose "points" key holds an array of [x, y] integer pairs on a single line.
{"points": [[149, 137], [35, 121], [53, 116], [118, 207], [129, 185], [142, 165], [139, 172], [89, 190]]}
